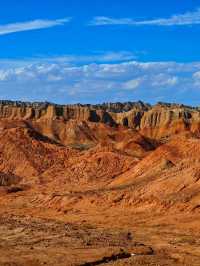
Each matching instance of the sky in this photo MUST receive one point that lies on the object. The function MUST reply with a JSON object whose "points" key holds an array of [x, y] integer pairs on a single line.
{"points": [[94, 51]]}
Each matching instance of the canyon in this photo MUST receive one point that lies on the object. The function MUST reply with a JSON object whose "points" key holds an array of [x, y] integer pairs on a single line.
{"points": [[104, 184]]}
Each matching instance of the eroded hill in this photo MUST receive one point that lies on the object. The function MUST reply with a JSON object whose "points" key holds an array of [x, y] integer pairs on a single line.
{"points": [[111, 184]]}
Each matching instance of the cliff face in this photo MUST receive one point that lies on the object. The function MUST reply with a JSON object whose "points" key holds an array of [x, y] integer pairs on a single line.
{"points": [[159, 121]]}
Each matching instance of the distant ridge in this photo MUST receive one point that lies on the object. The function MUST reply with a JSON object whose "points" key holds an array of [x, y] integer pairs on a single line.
{"points": [[108, 106]]}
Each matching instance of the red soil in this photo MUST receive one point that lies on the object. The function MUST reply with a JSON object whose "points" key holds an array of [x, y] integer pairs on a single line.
{"points": [[93, 193]]}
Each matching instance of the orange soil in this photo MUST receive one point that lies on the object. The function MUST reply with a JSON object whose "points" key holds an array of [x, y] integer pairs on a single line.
{"points": [[98, 192]]}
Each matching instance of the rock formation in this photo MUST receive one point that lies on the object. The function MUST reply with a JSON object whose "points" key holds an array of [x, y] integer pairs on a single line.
{"points": [[156, 122], [83, 184]]}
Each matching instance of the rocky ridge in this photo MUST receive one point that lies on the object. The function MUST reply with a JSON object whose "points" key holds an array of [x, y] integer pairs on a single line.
{"points": [[157, 122]]}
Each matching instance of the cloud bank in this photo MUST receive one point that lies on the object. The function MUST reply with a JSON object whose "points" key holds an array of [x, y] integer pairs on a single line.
{"points": [[62, 82]]}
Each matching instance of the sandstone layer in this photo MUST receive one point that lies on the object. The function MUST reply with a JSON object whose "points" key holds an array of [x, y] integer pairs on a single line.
{"points": [[156, 122]]}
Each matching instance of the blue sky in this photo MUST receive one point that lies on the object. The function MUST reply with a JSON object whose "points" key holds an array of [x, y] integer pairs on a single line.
{"points": [[97, 50]]}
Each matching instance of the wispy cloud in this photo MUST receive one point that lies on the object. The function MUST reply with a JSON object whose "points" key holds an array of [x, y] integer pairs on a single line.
{"points": [[102, 21], [98, 57], [31, 25], [69, 59], [188, 18]]}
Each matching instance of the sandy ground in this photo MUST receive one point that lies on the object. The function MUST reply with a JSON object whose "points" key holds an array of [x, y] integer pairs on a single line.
{"points": [[42, 236]]}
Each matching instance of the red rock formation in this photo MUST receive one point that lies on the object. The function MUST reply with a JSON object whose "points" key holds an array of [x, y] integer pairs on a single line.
{"points": [[98, 165], [157, 122]]}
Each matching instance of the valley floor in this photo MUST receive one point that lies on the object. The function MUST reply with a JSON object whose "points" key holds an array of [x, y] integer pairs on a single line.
{"points": [[41, 236]]}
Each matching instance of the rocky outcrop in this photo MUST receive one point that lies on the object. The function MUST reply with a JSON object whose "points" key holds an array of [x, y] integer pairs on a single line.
{"points": [[159, 121]]}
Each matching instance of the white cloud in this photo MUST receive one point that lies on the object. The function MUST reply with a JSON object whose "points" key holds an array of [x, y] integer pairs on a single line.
{"points": [[196, 75], [164, 80], [68, 59], [188, 18], [31, 25], [98, 57], [196, 79], [101, 21], [94, 82], [132, 84]]}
